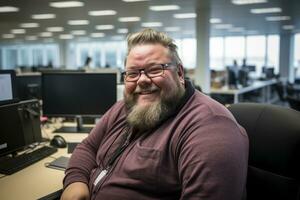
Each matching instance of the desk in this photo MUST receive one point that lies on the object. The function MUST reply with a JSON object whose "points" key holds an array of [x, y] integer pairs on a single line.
{"points": [[265, 86], [36, 181]]}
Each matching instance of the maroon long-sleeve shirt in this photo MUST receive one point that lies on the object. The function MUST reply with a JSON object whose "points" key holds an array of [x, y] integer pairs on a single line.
{"points": [[200, 152]]}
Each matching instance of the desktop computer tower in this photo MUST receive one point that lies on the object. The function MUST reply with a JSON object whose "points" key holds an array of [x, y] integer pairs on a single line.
{"points": [[20, 126]]}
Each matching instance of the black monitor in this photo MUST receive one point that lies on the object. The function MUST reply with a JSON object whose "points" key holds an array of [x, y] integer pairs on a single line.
{"points": [[8, 92], [78, 94], [29, 86], [20, 126]]}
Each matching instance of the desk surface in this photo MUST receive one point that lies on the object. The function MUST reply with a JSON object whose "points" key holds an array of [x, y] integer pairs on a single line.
{"points": [[36, 181], [256, 85]]}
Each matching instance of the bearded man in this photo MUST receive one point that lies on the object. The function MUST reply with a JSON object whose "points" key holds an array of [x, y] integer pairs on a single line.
{"points": [[165, 140]]}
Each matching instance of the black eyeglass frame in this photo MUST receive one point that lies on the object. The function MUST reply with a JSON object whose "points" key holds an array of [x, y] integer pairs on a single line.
{"points": [[163, 66]]}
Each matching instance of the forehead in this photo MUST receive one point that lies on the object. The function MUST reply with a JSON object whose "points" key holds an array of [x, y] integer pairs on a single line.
{"points": [[147, 53]]}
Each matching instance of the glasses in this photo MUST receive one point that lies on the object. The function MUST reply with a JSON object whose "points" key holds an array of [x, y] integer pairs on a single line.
{"points": [[151, 72]]}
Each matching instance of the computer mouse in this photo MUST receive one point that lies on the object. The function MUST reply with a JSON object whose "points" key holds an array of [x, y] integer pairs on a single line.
{"points": [[58, 142]]}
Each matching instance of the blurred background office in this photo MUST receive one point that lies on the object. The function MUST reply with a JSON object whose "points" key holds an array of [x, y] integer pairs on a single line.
{"points": [[221, 42]]}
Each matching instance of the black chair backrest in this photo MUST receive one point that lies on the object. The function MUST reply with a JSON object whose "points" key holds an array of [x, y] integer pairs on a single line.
{"points": [[294, 102], [274, 150], [279, 87]]}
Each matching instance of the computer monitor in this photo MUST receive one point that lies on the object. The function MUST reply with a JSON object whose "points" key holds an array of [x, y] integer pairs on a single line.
{"points": [[8, 93], [78, 94], [232, 77], [20, 126], [29, 86]]}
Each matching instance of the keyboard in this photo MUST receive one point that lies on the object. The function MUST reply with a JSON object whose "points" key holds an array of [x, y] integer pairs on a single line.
{"points": [[14, 164]]}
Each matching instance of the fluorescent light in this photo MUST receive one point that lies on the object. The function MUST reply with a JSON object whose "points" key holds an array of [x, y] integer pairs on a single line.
{"points": [[172, 29], [66, 4], [78, 22], [288, 27], [97, 35], [31, 37], [122, 30], [55, 29], [164, 7], [48, 40], [78, 32], [66, 36], [252, 32], [215, 20], [265, 10], [102, 12], [46, 34], [29, 25], [129, 19], [18, 31], [223, 26], [278, 18], [128, 1], [105, 27], [245, 2], [185, 15], [43, 16], [8, 36], [4, 9], [152, 24]]}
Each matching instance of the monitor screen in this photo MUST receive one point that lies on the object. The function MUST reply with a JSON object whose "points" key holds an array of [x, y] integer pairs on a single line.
{"points": [[7, 86], [29, 86], [72, 94], [20, 126]]}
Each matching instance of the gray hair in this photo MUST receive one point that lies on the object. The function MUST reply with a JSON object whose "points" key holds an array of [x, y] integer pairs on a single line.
{"points": [[151, 36]]}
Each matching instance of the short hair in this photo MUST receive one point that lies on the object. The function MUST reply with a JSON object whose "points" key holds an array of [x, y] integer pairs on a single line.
{"points": [[151, 36]]}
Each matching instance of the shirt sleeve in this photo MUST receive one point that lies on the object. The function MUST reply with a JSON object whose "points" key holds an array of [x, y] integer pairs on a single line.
{"points": [[213, 160]]}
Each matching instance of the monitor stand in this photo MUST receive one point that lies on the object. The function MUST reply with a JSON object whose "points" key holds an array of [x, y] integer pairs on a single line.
{"points": [[77, 129]]}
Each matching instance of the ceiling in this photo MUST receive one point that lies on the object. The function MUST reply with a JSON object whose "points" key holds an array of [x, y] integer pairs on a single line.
{"points": [[238, 16]]}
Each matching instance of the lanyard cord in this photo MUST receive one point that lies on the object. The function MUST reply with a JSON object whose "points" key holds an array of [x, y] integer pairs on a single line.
{"points": [[125, 142]]}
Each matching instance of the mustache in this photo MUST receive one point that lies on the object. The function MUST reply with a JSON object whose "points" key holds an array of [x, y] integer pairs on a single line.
{"points": [[149, 89]]}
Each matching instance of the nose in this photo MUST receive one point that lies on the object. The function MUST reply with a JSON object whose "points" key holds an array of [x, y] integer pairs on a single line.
{"points": [[143, 79]]}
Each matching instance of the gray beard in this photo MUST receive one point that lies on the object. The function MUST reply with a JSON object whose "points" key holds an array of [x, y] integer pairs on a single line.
{"points": [[143, 118]]}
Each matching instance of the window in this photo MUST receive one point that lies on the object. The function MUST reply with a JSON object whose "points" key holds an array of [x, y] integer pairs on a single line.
{"points": [[216, 54], [234, 50], [256, 52], [297, 54], [273, 52]]}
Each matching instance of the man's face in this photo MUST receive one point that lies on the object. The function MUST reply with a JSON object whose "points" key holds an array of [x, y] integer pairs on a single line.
{"points": [[151, 100], [146, 91]]}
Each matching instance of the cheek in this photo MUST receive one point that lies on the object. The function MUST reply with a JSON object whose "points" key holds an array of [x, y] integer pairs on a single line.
{"points": [[130, 87]]}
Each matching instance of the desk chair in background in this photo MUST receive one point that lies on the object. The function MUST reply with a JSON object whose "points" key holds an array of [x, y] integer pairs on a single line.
{"points": [[274, 150]]}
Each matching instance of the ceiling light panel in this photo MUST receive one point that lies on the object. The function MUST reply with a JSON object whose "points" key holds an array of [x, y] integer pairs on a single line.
{"points": [[288, 27], [105, 27], [43, 16], [78, 32], [185, 15], [152, 24], [265, 10], [66, 36], [29, 25], [172, 29], [246, 2], [31, 37], [78, 22], [97, 35], [102, 12], [223, 26], [278, 18], [164, 7], [18, 31], [8, 36], [129, 1], [66, 4], [5, 9], [129, 19], [46, 34], [55, 29], [122, 30]]}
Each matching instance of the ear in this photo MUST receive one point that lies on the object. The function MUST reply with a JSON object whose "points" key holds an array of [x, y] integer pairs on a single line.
{"points": [[180, 73]]}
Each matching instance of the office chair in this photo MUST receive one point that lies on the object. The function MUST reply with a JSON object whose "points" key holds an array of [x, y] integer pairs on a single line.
{"points": [[294, 103], [274, 150]]}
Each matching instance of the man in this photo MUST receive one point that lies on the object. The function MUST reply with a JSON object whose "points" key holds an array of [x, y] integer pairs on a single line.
{"points": [[165, 140]]}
